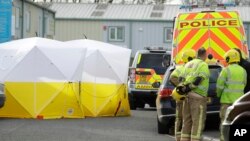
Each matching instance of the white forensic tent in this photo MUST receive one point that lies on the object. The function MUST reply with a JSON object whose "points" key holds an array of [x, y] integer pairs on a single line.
{"points": [[41, 78], [104, 79]]}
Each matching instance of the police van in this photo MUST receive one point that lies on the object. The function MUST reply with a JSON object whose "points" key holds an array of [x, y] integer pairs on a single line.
{"points": [[146, 74], [217, 31]]}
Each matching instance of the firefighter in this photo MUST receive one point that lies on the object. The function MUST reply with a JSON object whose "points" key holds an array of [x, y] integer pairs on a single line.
{"points": [[195, 85], [246, 65], [210, 60], [230, 84], [187, 56], [166, 60]]}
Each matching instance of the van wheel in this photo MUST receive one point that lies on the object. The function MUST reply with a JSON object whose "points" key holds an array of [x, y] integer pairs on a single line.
{"points": [[132, 102], [162, 128]]}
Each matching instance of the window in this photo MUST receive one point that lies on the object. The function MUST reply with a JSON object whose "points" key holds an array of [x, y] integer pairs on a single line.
{"points": [[168, 35], [214, 74], [27, 14], [167, 81], [155, 61], [116, 34], [17, 16]]}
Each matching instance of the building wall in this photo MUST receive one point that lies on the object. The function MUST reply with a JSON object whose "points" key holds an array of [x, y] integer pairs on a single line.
{"points": [[149, 34], [49, 25], [126, 25], [137, 34], [30, 20], [17, 17], [247, 32], [31, 26], [76, 29]]}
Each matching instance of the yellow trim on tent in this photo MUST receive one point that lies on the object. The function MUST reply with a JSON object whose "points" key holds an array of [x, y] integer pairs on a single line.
{"points": [[46, 100], [104, 99], [42, 100]]}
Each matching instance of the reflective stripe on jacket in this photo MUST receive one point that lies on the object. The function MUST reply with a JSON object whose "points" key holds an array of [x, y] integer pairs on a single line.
{"points": [[231, 83]]}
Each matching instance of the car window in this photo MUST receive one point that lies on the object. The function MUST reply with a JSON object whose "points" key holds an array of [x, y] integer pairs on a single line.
{"points": [[167, 78], [151, 60], [214, 74]]}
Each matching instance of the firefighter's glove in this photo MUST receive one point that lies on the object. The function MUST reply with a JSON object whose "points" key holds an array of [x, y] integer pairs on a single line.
{"points": [[183, 89], [181, 79], [180, 89], [187, 88]]}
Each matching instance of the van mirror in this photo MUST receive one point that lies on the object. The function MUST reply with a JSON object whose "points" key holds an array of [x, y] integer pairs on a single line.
{"points": [[174, 22], [244, 42]]}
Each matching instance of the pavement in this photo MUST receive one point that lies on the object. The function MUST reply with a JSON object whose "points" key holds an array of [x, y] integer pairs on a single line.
{"points": [[206, 138], [210, 134]]}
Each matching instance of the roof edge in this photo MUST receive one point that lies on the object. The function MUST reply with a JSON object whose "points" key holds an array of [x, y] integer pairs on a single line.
{"points": [[104, 19], [39, 5]]}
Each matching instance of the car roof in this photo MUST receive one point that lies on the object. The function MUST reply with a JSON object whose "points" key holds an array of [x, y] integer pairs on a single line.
{"points": [[154, 51], [209, 65], [172, 67]]}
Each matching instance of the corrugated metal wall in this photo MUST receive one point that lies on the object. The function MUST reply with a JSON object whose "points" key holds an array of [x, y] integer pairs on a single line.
{"points": [[149, 34], [140, 34], [49, 25], [137, 34], [75, 29]]}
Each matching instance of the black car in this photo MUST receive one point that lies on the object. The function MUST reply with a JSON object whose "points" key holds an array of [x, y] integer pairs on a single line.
{"points": [[237, 115], [165, 105]]}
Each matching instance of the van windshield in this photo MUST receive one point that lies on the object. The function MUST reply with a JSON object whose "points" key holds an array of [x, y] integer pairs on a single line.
{"points": [[154, 60]]}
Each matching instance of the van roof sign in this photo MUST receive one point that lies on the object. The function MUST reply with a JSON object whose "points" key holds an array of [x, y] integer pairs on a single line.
{"points": [[217, 32], [208, 23]]}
